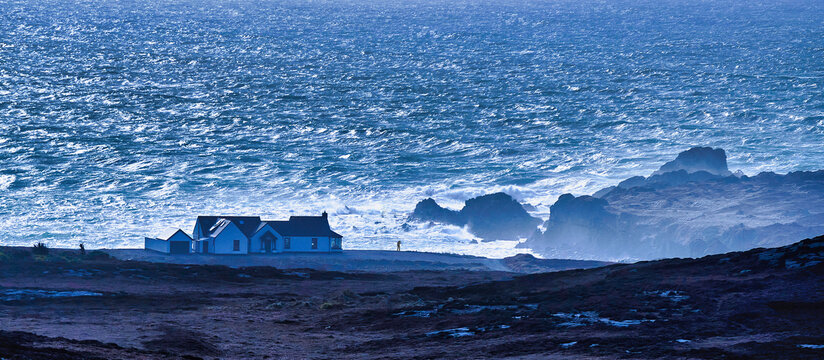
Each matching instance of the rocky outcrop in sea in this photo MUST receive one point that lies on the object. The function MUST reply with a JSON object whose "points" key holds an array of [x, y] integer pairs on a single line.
{"points": [[692, 206], [491, 217]]}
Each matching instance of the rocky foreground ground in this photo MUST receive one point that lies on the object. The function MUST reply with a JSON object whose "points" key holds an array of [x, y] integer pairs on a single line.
{"points": [[763, 303]]}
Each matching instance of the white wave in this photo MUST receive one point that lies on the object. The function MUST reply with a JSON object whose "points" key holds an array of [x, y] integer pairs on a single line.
{"points": [[6, 181]]}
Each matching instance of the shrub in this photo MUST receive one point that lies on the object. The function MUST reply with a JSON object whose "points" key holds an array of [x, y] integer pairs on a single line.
{"points": [[40, 249], [330, 305]]}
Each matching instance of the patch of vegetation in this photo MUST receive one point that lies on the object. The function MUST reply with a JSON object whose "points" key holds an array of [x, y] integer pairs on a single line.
{"points": [[330, 305], [340, 300], [62, 257], [40, 249], [42, 253], [98, 255], [11, 255], [20, 254]]}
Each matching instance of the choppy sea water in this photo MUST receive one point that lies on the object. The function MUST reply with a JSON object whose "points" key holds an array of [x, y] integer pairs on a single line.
{"points": [[118, 119]]}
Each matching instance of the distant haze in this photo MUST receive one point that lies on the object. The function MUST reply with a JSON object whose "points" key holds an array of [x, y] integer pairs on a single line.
{"points": [[118, 119]]}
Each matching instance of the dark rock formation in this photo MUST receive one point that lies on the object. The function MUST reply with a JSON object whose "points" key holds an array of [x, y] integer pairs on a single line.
{"points": [[582, 211], [491, 217], [673, 178], [696, 209], [528, 264], [429, 210], [697, 164], [498, 217], [581, 221], [579, 225], [713, 161]]}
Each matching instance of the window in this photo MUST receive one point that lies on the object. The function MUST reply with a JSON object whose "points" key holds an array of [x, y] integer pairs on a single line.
{"points": [[236, 246], [287, 243], [336, 243], [314, 243]]}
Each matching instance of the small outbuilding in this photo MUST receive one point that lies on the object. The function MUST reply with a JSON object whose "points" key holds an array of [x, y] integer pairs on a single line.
{"points": [[171, 241]]}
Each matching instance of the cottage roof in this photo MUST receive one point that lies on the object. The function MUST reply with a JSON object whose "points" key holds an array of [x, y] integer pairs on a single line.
{"points": [[167, 233], [304, 226], [213, 225]]}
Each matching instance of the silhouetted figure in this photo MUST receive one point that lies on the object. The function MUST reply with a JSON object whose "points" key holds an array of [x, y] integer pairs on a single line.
{"points": [[82, 249], [399, 245]]}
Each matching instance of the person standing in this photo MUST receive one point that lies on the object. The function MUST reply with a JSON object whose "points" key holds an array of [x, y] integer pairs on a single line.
{"points": [[399, 245]]}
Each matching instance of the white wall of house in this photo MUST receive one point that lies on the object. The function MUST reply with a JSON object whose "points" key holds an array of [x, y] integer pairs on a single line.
{"points": [[304, 243], [256, 241], [199, 244], [223, 243], [339, 246], [157, 245], [196, 233]]}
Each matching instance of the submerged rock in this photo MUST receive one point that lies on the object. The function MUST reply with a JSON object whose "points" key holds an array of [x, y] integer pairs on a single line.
{"points": [[491, 217]]}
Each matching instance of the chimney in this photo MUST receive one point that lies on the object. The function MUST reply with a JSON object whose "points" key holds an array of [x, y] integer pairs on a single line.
{"points": [[324, 214]]}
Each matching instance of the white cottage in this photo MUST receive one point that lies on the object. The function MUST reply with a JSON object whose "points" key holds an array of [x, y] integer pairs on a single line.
{"points": [[224, 234], [170, 241], [298, 234], [250, 234]]}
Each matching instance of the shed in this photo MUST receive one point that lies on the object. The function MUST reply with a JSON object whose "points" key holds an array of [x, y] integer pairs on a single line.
{"points": [[170, 241]]}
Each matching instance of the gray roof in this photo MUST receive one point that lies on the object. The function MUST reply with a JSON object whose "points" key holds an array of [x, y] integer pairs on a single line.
{"points": [[304, 226], [213, 225], [169, 232], [249, 225]]}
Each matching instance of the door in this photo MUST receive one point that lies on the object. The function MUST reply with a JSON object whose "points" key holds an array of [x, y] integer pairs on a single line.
{"points": [[179, 247], [268, 241], [205, 247]]}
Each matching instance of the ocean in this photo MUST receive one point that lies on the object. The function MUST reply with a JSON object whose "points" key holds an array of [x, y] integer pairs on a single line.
{"points": [[121, 118]]}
